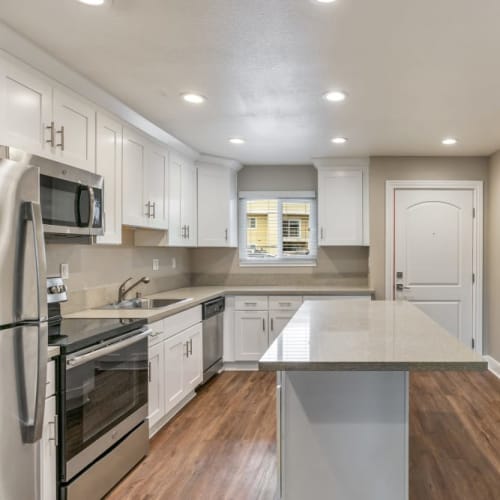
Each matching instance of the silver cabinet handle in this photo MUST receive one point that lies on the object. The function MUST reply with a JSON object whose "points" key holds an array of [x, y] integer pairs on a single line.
{"points": [[322, 234], [226, 235], [61, 144], [190, 347], [52, 139], [186, 352], [149, 371], [263, 325], [188, 231], [183, 231], [55, 424], [284, 304], [272, 324], [251, 304], [154, 209], [148, 213]]}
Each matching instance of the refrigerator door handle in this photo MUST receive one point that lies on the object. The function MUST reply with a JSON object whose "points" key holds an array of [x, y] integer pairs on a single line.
{"points": [[34, 214], [32, 414]]}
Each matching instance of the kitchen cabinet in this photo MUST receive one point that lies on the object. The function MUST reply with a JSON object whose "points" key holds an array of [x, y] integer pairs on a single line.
{"points": [[156, 386], [155, 186], [343, 205], [251, 336], [182, 202], [217, 206], [193, 363], [277, 322], [176, 350], [43, 118], [74, 121], [109, 137], [49, 441]]}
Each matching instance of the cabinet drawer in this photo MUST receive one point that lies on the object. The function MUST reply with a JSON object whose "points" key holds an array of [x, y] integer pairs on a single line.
{"points": [[158, 333], [50, 389], [251, 303], [181, 321], [284, 303]]}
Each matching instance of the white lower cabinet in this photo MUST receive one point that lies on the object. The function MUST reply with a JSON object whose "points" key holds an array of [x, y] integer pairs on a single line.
{"points": [[175, 365], [277, 322], [251, 337], [48, 445]]}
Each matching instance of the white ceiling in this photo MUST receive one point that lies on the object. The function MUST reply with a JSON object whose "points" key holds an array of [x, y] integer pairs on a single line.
{"points": [[415, 71]]}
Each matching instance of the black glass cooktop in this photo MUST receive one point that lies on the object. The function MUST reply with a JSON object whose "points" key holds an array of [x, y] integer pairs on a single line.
{"points": [[72, 335]]}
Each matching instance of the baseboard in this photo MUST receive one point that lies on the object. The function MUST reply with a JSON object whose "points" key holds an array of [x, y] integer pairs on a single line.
{"points": [[241, 366], [493, 365]]}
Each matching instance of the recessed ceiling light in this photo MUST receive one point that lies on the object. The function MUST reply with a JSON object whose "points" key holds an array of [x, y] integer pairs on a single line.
{"points": [[449, 141], [236, 140], [335, 96], [94, 3], [339, 140], [324, 1], [193, 98]]}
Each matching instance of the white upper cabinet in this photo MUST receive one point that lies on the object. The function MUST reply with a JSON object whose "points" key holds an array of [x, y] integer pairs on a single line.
{"points": [[217, 206], [25, 109], [343, 203], [74, 121], [39, 117], [109, 135], [155, 186], [135, 213], [182, 202]]}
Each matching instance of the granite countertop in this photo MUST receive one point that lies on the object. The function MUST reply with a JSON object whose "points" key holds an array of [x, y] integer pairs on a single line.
{"points": [[201, 294], [53, 351], [366, 336]]}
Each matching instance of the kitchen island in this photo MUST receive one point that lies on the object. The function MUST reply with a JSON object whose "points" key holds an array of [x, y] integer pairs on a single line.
{"points": [[343, 392]]}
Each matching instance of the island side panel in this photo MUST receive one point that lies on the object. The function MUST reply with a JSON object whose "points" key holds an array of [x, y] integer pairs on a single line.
{"points": [[343, 435]]}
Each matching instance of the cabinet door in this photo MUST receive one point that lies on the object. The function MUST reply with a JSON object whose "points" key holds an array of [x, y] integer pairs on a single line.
{"points": [[214, 206], [176, 233], [48, 452], [189, 203], [25, 109], [109, 165], [134, 157], [156, 388], [75, 144], [175, 353], [340, 200], [193, 364], [156, 170], [277, 322], [251, 335]]}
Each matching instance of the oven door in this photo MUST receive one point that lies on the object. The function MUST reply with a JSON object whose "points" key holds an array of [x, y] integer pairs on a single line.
{"points": [[105, 396]]}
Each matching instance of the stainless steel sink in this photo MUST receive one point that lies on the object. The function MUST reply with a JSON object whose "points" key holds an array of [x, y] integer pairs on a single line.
{"points": [[145, 303]]}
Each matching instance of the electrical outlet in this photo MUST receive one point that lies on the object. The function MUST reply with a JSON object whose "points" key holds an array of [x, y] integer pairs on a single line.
{"points": [[64, 271], [156, 264], [174, 263]]}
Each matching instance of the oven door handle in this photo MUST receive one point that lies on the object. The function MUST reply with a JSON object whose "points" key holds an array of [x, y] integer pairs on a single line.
{"points": [[103, 351]]}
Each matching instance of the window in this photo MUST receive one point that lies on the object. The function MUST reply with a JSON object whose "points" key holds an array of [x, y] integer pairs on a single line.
{"points": [[278, 228]]}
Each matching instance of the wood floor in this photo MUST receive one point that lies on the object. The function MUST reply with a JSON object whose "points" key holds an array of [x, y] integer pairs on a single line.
{"points": [[222, 445]]}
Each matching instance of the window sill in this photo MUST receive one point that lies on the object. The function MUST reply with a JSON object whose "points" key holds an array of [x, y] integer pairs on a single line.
{"points": [[306, 263]]}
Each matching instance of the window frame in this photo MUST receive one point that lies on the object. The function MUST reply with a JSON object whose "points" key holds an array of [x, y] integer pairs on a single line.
{"points": [[280, 261]]}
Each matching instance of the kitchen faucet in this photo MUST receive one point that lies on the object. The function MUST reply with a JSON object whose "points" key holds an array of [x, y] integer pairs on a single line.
{"points": [[122, 291]]}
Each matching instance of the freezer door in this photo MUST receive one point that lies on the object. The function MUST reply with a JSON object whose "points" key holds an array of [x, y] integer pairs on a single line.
{"points": [[23, 365], [22, 248]]}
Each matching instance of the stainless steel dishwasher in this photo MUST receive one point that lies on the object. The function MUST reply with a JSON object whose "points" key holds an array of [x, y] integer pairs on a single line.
{"points": [[213, 333]]}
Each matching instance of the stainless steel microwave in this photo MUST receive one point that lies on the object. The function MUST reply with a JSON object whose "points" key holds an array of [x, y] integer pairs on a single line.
{"points": [[71, 199]]}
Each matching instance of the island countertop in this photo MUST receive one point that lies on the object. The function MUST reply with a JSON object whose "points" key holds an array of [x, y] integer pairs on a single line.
{"points": [[366, 336]]}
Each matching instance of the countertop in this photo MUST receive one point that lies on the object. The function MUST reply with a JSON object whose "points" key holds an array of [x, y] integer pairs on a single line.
{"points": [[53, 351], [366, 336], [201, 294]]}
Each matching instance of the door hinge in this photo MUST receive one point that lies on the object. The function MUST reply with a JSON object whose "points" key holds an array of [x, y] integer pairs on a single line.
{"points": [[473, 344], [473, 213]]}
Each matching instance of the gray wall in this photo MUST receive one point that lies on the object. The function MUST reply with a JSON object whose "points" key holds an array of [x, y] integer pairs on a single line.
{"points": [[278, 178]]}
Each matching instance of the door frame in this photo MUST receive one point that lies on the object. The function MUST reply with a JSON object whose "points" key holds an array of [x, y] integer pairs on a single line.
{"points": [[477, 188]]}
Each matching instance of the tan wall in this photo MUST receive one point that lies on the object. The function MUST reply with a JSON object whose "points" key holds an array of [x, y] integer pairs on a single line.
{"points": [[492, 262], [278, 178], [383, 169], [96, 271]]}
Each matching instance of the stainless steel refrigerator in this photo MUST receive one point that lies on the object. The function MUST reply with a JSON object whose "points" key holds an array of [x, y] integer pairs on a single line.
{"points": [[23, 330]]}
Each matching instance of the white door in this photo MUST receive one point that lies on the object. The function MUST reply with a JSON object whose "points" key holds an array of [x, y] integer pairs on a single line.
{"points": [[277, 322], [214, 200], [48, 452], [176, 350], [109, 165], [156, 387], [193, 364], [134, 157], [156, 169], [251, 335], [74, 120], [25, 110], [433, 252]]}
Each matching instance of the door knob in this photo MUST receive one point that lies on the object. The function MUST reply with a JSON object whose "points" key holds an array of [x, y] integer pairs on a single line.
{"points": [[400, 287]]}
